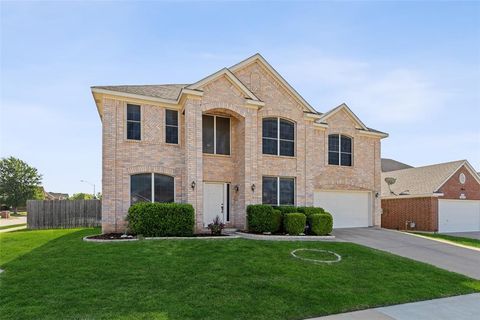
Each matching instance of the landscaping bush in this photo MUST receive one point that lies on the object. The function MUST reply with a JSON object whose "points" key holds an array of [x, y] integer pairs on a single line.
{"points": [[161, 219], [321, 224], [263, 218], [295, 223], [308, 211], [278, 219], [286, 209]]}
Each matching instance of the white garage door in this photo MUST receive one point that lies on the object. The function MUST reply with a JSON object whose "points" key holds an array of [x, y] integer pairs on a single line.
{"points": [[349, 209], [458, 215]]}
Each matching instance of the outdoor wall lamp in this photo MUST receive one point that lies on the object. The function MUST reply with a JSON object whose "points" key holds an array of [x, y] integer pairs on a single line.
{"points": [[192, 185], [253, 187], [236, 188], [376, 194]]}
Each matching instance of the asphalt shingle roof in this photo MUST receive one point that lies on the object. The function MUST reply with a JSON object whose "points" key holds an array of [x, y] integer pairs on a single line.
{"points": [[393, 165], [421, 180], [163, 91]]}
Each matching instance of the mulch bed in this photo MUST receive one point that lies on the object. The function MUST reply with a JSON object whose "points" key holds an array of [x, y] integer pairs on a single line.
{"points": [[112, 236], [121, 236]]}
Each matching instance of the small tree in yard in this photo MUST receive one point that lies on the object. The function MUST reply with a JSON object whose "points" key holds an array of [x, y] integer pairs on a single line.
{"points": [[18, 182], [81, 196]]}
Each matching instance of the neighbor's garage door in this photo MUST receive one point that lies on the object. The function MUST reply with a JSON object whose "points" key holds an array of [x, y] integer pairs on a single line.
{"points": [[349, 209], [458, 215]]}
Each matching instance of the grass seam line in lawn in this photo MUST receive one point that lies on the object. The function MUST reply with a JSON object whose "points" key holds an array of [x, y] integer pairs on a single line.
{"points": [[442, 241]]}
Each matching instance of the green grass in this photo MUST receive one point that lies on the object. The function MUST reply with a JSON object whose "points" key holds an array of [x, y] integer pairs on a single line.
{"points": [[18, 214], [53, 274], [13, 226], [460, 240]]}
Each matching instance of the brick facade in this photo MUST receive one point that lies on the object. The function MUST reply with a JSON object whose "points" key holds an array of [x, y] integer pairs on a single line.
{"points": [[453, 189], [246, 164], [397, 213], [424, 210]]}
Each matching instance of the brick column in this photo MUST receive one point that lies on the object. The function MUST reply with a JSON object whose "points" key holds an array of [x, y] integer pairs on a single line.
{"points": [[194, 158]]}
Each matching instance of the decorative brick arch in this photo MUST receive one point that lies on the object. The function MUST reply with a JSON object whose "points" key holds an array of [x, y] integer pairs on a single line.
{"points": [[150, 169], [225, 107]]}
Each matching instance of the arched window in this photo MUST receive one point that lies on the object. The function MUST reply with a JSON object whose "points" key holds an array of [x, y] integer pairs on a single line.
{"points": [[151, 187], [339, 150], [278, 137]]}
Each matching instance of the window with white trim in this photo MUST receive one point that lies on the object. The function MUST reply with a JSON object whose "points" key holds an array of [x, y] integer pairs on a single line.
{"points": [[151, 187], [133, 122], [171, 126], [278, 137], [216, 134], [278, 191], [340, 150]]}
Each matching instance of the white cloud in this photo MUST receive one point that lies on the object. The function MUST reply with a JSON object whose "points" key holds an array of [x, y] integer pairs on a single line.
{"points": [[392, 95]]}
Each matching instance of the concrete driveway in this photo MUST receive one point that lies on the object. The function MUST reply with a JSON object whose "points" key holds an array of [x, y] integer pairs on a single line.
{"points": [[472, 235], [442, 255], [459, 308]]}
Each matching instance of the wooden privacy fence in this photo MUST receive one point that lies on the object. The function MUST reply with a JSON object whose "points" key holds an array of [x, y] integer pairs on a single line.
{"points": [[48, 214]]}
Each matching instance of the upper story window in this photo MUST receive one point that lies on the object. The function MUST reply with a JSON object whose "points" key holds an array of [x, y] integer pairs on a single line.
{"points": [[216, 134], [151, 187], [339, 150], [171, 126], [133, 122], [278, 137], [278, 191]]}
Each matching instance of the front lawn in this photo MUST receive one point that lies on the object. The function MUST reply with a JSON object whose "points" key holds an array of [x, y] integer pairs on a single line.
{"points": [[460, 240], [53, 274]]}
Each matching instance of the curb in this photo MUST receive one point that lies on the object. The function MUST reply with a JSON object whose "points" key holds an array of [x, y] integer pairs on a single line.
{"points": [[87, 239], [252, 236], [228, 236], [442, 241]]}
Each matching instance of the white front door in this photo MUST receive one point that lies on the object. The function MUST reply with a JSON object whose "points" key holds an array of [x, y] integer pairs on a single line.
{"points": [[458, 215], [348, 208], [214, 201]]}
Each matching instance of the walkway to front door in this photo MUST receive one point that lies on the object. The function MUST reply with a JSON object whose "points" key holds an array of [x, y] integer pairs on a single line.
{"points": [[215, 202]]}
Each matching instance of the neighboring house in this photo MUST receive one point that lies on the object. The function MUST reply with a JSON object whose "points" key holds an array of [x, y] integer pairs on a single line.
{"points": [[443, 197], [55, 196], [393, 165], [240, 136]]}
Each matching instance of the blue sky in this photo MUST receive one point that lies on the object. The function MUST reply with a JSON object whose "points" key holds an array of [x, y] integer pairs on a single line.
{"points": [[411, 69]]}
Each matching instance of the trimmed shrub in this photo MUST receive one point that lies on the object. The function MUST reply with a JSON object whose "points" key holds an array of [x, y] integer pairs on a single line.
{"points": [[278, 219], [286, 209], [321, 224], [308, 211], [295, 223], [161, 219], [263, 218]]}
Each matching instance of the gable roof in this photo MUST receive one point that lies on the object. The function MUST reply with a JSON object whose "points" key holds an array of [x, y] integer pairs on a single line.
{"points": [[425, 180], [261, 60], [230, 76], [393, 165], [344, 107]]}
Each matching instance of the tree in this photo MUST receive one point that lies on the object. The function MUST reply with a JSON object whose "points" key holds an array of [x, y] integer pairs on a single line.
{"points": [[18, 182], [81, 196], [39, 194]]}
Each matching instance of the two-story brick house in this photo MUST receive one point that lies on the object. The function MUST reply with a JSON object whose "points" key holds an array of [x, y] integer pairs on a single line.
{"points": [[240, 136]]}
